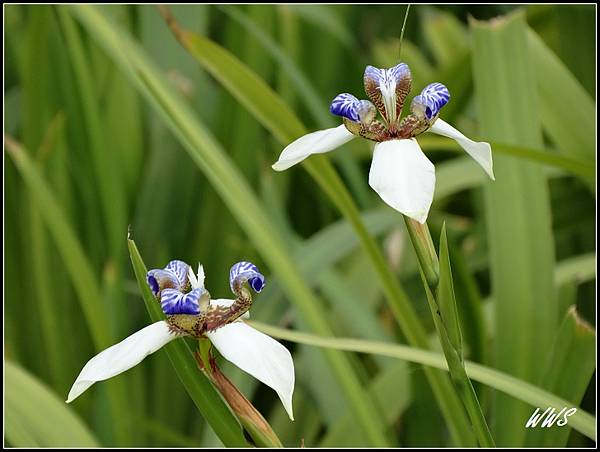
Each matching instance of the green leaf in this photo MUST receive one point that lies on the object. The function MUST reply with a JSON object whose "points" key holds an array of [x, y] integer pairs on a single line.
{"points": [[445, 295], [566, 109], [78, 266], [445, 35], [567, 373], [469, 306], [535, 396], [104, 160], [391, 389], [79, 269], [324, 17], [577, 268], [576, 23], [36, 417], [517, 212], [204, 395]]}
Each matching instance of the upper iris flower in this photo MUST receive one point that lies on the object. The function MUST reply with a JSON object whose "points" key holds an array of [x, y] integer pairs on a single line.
{"points": [[191, 312], [400, 173]]}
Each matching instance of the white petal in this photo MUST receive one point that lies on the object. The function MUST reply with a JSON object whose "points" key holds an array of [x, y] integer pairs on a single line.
{"points": [[121, 357], [192, 278], [201, 276], [259, 355], [313, 143], [404, 177], [479, 150], [225, 303]]}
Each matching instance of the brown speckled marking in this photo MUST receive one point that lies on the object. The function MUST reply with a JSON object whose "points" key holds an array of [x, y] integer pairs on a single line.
{"points": [[374, 93], [215, 317]]}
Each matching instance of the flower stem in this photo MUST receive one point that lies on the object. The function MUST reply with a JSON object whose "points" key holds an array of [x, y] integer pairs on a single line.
{"points": [[447, 325], [428, 260], [251, 419]]}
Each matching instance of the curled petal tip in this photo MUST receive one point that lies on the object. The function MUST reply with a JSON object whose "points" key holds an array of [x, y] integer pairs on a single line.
{"points": [[431, 100], [345, 105], [174, 275], [349, 107], [245, 272]]}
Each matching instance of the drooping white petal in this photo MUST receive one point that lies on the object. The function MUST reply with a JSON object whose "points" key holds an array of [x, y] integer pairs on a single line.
{"points": [[314, 143], [403, 177], [121, 357], [225, 303], [480, 151], [259, 355]]}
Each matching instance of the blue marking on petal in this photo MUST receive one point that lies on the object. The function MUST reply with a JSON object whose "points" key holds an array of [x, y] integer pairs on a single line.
{"points": [[257, 283], [160, 279], [180, 269], [174, 302], [432, 99], [153, 283], [245, 271], [345, 105]]}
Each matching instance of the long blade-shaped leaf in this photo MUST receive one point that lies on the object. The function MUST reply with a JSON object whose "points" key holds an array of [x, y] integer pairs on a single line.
{"points": [[36, 417], [567, 373], [566, 109], [581, 421], [518, 214]]}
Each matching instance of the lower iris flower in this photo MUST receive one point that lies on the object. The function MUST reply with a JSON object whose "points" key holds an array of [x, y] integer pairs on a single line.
{"points": [[400, 172], [191, 312]]}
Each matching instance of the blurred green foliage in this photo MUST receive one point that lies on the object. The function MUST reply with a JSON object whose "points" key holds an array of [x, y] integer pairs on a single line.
{"points": [[106, 159]]}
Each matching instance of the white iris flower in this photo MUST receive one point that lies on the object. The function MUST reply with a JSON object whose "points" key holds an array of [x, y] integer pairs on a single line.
{"points": [[400, 172], [191, 312]]}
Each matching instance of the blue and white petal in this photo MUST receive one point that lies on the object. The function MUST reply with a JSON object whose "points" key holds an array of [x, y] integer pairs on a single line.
{"points": [[387, 89], [161, 279], [480, 151], [314, 143], [174, 275], [430, 101], [174, 302], [345, 105], [403, 177], [122, 356], [245, 271], [349, 107], [180, 269], [259, 355]]}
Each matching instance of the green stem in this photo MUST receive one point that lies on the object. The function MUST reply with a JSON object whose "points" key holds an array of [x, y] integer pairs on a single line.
{"points": [[430, 268], [428, 260]]}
